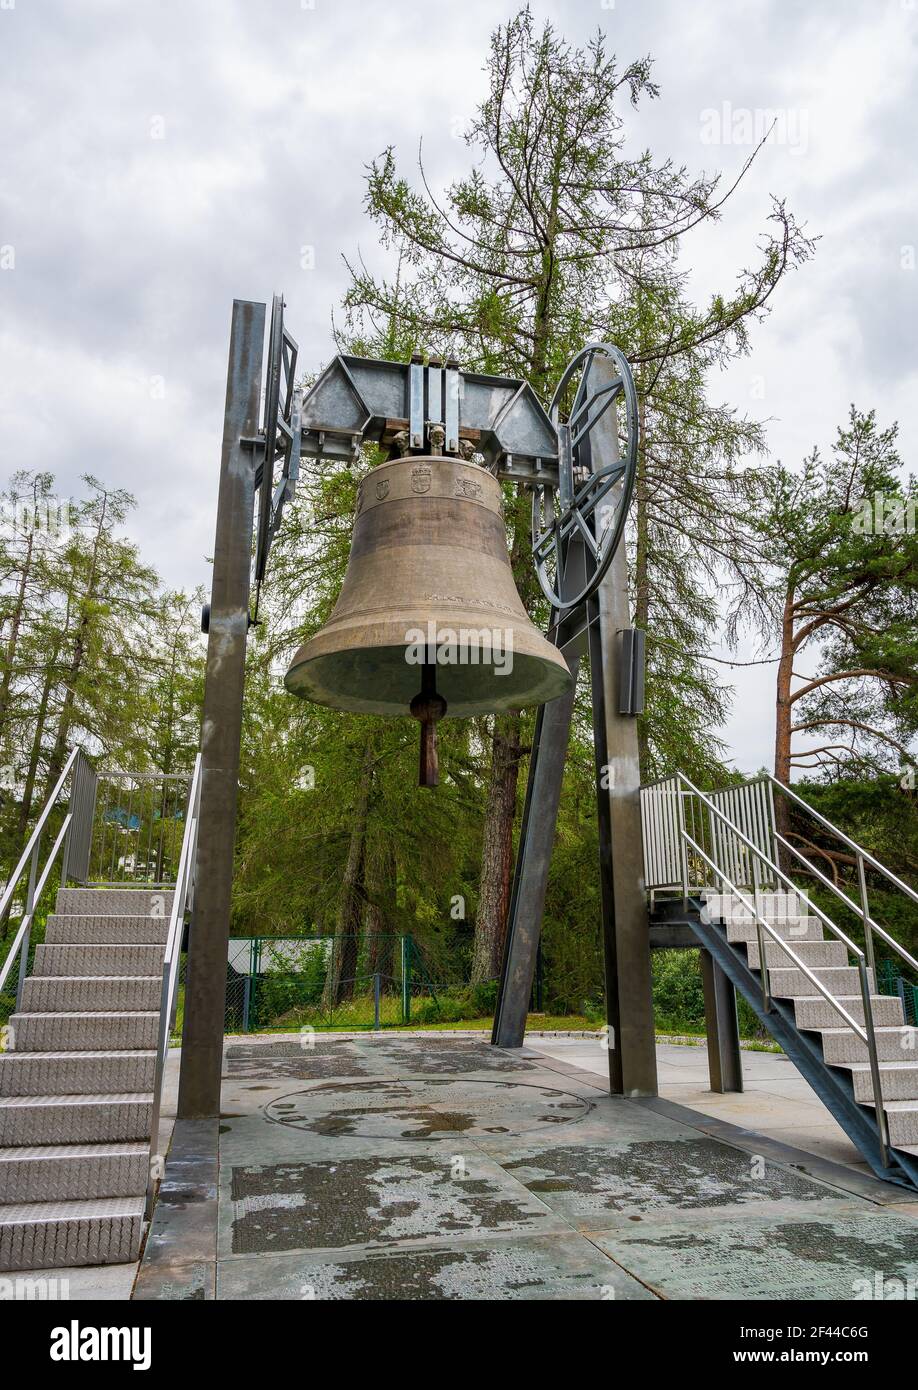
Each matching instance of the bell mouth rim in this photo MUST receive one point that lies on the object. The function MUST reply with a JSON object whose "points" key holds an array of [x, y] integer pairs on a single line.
{"points": [[544, 680]]}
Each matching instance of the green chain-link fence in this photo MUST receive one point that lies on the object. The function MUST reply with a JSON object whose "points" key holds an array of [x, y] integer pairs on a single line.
{"points": [[890, 981], [327, 982]]}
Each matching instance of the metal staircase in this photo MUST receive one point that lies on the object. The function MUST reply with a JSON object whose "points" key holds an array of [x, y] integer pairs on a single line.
{"points": [[85, 1048], [715, 863]]}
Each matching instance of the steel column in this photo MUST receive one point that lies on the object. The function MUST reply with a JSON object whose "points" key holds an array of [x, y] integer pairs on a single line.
{"points": [[626, 928], [725, 1057], [603, 774], [221, 730]]}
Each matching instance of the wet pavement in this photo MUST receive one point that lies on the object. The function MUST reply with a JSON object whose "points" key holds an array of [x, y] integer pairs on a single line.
{"points": [[425, 1167]]}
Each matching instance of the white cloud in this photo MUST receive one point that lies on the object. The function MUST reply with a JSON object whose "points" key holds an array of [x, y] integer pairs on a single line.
{"points": [[130, 249]]}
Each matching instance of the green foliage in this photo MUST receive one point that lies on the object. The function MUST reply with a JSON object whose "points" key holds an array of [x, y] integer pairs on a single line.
{"points": [[93, 651], [678, 997], [556, 235], [845, 593]]}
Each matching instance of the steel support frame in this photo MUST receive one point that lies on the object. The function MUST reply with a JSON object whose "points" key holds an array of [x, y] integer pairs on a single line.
{"points": [[221, 729], [630, 1037], [725, 1057]]}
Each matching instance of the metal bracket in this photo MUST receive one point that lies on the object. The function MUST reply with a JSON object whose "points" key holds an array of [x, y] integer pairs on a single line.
{"points": [[278, 438], [497, 417], [394, 405]]}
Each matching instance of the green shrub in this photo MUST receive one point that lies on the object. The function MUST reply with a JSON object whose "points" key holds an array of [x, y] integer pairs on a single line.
{"points": [[678, 996], [483, 999]]}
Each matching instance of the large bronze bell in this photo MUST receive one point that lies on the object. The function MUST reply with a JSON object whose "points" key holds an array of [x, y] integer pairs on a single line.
{"points": [[428, 621]]}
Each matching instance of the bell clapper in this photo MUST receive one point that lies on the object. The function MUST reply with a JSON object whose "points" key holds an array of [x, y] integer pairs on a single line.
{"points": [[428, 707]]}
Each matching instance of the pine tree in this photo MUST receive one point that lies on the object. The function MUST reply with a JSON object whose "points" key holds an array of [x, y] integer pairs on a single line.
{"points": [[558, 237]]}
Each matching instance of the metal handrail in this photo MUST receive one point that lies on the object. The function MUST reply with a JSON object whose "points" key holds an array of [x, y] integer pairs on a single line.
{"points": [[26, 924], [869, 924], [763, 924], [866, 1035], [862, 857], [37, 879], [182, 898], [760, 854], [852, 844], [32, 843]]}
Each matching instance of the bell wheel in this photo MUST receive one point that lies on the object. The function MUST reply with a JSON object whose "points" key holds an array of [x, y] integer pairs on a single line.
{"points": [[588, 511]]}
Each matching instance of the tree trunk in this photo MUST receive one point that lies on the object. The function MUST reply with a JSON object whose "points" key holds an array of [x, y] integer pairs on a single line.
{"points": [[376, 926], [342, 966], [497, 850]]}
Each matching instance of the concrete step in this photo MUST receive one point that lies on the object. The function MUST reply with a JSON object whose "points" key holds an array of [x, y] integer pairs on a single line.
{"points": [[785, 984], [57, 1235], [97, 961], [75, 1073], [813, 1012], [775, 907], [841, 1046], [73, 1172], [793, 929], [902, 1118], [91, 993], [84, 1032], [54, 1119], [812, 953], [133, 902], [74, 929], [898, 1081]]}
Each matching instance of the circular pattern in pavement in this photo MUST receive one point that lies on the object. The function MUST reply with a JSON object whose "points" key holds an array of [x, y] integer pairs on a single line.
{"points": [[426, 1108]]}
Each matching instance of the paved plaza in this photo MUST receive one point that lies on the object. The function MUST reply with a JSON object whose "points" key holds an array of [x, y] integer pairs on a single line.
{"points": [[432, 1167]]}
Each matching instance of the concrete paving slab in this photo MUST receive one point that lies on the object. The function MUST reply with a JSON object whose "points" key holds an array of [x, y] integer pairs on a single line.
{"points": [[425, 1108], [613, 1124], [371, 1202], [592, 1184], [776, 1101], [839, 1254], [445, 1170], [564, 1267], [249, 1139]]}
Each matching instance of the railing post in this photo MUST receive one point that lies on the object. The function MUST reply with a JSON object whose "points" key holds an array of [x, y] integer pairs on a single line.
{"points": [[683, 849], [757, 902], [865, 909], [773, 827], [75, 785], [246, 998], [376, 1001], [882, 1129], [29, 910]]}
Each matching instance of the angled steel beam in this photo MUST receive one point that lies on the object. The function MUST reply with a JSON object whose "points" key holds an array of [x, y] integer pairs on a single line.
{"points": [[537, 833]]}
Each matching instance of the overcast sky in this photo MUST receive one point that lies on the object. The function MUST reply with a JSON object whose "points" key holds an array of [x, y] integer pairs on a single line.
{"points": [[160, 159]]}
